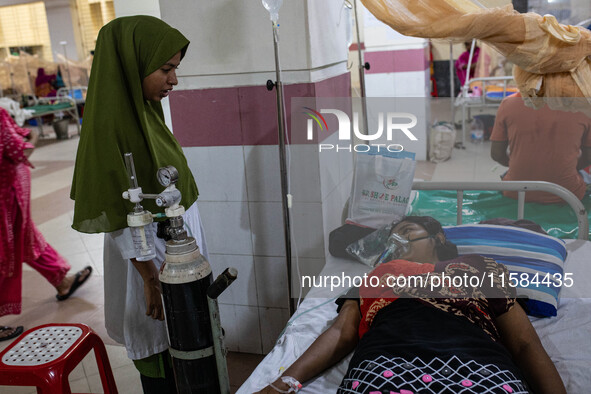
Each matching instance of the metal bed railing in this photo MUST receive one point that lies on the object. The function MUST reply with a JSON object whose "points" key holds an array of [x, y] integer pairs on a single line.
{"points": [[521, 187], [482, 101]]}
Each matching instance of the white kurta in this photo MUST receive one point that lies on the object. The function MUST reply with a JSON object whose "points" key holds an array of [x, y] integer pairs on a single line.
{"points": [[125, 306]]}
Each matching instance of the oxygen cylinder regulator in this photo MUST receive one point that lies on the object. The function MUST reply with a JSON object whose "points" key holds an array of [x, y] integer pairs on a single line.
{"points": [[188, 295]]}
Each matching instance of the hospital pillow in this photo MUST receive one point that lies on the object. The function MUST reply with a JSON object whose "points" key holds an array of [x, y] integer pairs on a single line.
{"points": [[536, 260]]}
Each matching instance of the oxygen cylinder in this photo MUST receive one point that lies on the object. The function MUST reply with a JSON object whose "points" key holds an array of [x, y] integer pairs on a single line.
{"points": [[185, 277]]}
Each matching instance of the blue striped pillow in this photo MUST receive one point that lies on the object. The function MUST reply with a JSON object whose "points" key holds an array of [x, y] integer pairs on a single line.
{"points": [[524, 253]]}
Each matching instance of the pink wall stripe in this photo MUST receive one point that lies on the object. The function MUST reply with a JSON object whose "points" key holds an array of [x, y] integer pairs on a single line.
{"points": [[397, 61], [245, 115]]}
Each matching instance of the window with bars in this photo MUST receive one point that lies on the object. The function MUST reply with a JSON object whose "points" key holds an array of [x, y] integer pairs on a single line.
{"points": [[92, 15]]}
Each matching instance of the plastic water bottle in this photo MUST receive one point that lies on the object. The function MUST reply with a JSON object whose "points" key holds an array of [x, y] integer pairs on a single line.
{"points": [[477, 131]]}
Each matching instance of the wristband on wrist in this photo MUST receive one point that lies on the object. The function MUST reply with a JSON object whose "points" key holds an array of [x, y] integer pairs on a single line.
{"points": [[293, 383]]}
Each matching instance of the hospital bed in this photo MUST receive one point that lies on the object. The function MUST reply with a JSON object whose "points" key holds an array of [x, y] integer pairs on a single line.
{"points": [[492, 90], [52, 105], [566, 337]]}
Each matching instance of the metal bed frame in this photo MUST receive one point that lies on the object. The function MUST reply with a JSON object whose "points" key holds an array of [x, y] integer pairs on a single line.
{"points": [[521, 187]]}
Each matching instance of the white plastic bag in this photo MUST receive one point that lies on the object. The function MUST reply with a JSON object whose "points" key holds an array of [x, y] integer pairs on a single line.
{"points": [[441, 142], [381, 187]]}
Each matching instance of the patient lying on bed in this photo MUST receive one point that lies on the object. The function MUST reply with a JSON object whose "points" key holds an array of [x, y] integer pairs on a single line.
{"points": [[441, 339]]}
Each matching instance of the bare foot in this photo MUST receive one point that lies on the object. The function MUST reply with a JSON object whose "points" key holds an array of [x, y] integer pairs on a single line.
{"points": [[64, 287]]}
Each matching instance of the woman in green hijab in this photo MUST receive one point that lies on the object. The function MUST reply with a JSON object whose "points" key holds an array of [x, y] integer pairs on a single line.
{"points": [[134, 68]]}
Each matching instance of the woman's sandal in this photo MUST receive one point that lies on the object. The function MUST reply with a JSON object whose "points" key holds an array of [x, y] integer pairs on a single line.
{"points": [[16, 331], [76, 284]]}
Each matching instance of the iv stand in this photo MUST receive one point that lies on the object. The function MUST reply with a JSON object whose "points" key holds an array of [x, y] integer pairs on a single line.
{"points": [[282, 161], [452, 83], [67, 63], [362, 68]]}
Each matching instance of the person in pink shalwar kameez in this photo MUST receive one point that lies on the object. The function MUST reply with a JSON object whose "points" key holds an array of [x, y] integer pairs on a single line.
{"points": [[20, 240]]}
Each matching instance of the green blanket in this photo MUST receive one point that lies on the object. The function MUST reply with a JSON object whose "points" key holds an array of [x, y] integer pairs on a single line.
{"points": [[41, 110], [557, 220]]}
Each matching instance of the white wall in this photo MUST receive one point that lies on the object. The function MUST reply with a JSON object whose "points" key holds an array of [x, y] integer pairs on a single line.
{"points": [[232, 42], [327, 32], [143, 7], [60, 21], [137, 7]]}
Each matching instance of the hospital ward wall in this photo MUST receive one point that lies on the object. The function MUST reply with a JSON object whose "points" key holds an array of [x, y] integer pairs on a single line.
{"points": [[226, 121], [399, 67], [61, 19]]}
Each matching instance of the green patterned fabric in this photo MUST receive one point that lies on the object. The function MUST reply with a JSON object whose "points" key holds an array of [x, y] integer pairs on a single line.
{"points": [[117, 119]]}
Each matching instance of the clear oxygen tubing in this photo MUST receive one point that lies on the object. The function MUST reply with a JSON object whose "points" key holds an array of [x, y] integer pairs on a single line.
{"points": [[283, 163], [291, 321]]}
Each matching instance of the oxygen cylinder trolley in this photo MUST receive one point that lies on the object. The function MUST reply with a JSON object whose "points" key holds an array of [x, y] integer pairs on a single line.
{"points": [[188, 295]]}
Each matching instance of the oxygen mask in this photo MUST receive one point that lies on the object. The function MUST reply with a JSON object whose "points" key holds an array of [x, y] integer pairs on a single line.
{"points": [[397, 246], [381, 246]]}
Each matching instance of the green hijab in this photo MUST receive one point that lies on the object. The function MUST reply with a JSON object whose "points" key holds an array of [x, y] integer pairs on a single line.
{"points": [[117, 119]]}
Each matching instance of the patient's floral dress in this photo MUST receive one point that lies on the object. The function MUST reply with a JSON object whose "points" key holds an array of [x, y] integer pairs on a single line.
{"points": [[434, 339]]}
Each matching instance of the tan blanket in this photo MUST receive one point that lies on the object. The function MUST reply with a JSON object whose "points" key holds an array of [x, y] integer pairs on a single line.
{"points": [[552, 63]]}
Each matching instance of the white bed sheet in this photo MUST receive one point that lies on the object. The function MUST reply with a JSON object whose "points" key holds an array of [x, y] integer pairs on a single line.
{"points": [[566, 337]]}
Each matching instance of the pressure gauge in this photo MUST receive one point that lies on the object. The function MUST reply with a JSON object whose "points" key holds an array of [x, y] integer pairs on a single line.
{"points": [[167, 176]]}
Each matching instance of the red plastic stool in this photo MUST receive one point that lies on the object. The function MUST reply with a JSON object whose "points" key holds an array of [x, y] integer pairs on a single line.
{"points": [[44, 356]]}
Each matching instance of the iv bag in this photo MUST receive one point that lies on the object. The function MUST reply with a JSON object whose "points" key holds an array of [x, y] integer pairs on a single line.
{"points": [[273, 7]]}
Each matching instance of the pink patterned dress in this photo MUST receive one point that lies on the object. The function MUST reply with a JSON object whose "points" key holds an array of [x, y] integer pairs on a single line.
{"points": [[20, 240]]}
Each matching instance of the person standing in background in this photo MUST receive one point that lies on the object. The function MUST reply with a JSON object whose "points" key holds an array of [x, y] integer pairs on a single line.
{"points": [[20, 240], [462, 63], [541, 145]]}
